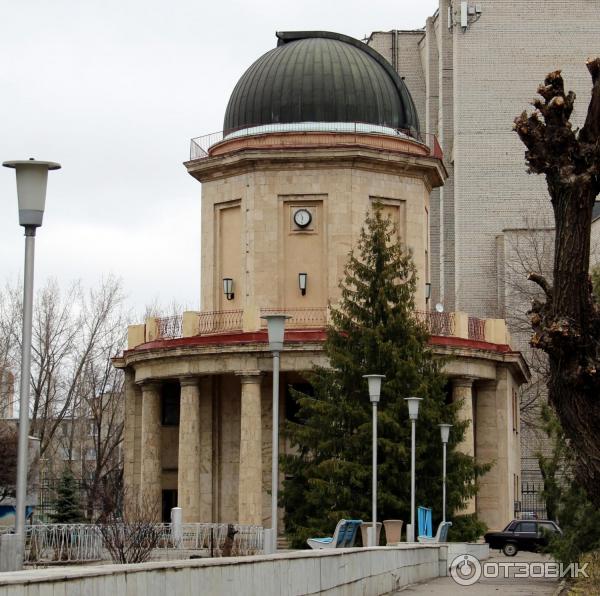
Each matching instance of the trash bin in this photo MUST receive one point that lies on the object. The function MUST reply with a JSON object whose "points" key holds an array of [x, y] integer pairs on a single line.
{"points": [[393, 530], [363, 532]]}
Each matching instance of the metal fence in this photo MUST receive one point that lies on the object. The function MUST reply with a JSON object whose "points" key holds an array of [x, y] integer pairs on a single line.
{"points": [[211, 538], [170, 327], [438, 323], [476, 328], [315, 318], [220, 321], [223, 321], [77, 543], [63, 543], [532, 504], [319, 134]]}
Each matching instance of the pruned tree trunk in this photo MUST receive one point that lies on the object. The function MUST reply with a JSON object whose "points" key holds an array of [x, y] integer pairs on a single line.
{"points": [[567, 325]]}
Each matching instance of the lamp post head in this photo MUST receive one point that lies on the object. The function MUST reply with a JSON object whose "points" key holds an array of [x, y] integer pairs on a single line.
{"points": [[445, 432], [32, 179], [413, 406], [276, 330], [374, 386]]}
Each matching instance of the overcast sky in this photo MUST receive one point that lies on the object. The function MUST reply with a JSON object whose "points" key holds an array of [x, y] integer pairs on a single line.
{"points": [[114, 90]]}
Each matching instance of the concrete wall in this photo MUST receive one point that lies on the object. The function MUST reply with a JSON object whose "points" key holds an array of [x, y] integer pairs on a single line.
{"points": [[360, 572]]}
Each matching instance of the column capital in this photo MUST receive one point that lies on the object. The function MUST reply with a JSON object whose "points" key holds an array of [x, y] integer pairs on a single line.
{"points": [[189, 381], [149, 385], [249, 376], [462, 381]]}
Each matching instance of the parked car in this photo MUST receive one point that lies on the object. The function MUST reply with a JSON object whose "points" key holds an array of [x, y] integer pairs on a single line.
{"points": [[521, 534]]}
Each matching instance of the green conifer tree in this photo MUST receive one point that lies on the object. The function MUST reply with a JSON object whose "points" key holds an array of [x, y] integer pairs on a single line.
{"points": [[374, 330], [67, 507]]}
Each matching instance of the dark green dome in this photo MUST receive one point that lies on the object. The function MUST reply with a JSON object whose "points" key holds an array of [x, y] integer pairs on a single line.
{"points": [[317, 76]]}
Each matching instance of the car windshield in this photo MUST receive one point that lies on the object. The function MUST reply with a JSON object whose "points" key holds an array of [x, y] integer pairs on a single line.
{"points": [[510, 527]]}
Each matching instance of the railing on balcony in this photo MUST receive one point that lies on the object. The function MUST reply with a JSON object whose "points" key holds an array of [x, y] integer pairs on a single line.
{"points": [[448, 324], [317, 134], [170, 327], [220, 321], [315, 318], [476, 328], [438, 323]]}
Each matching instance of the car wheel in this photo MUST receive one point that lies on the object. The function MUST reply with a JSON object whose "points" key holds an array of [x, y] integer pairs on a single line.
{"points": [[510, 549]]}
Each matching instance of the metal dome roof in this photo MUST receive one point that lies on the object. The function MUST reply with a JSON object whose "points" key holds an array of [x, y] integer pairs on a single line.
{"points": [[318, 76]]}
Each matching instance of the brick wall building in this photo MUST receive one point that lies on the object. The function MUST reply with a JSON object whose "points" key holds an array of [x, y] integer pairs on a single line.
{"points": [[469, 82]]}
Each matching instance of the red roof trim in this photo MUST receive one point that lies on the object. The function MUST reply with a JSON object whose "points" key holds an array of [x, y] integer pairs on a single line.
{"points": [[298, 336]]}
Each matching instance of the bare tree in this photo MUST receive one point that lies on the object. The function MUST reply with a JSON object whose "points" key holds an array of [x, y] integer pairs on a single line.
{"points": [[566, 322], [131, 536], [76, 394], [8, 460]]}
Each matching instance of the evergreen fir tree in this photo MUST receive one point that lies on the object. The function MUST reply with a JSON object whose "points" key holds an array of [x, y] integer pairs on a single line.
{"points": [[374, 330], [67, 507]]}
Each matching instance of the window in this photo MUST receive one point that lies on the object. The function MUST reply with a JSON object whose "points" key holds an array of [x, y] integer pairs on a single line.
{"points": [[515, 411], [526, 527], [170, 404]]}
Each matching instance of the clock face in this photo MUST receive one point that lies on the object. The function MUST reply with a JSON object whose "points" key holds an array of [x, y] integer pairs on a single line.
{"points": [[302, 218]]}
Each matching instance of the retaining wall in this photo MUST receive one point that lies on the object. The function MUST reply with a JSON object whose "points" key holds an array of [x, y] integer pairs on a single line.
{"points": [[357, 571]]}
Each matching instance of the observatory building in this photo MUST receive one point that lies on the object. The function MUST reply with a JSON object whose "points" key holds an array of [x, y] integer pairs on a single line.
{"points": [[316, 131]]}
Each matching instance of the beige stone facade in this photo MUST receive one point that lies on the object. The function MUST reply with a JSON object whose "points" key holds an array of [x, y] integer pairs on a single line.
{"points": [[218, 456]]}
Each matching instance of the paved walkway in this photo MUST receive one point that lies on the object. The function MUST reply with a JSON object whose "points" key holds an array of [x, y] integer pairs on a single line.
{"points": [[446, 586]]}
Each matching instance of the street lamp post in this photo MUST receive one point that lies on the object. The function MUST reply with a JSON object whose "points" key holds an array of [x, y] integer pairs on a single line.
{"points": [[445, 433], [413, 414], [374, 393], [276, 330], [32, 179]]}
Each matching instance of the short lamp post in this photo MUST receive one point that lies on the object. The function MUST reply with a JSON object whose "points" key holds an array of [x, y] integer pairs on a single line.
{"points": [[374, 394], [413, 414], [445, 433], [32, 179], [276, 330]]}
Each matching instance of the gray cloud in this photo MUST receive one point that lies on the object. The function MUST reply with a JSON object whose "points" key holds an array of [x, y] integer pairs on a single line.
{"points": [[114, 91]]}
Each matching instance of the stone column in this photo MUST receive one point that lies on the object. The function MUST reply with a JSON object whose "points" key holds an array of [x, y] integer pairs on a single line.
{"points": [[151, 473], [250, 476], [188, 475], [207, 451], [132, 439], [462, 392]]}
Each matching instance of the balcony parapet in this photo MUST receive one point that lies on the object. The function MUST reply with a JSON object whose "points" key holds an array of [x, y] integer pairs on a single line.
{"points": [[207, 323]]}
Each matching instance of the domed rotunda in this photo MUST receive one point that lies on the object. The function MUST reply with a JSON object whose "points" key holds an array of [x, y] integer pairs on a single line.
{"points": [[320, 77], [316, 131]]}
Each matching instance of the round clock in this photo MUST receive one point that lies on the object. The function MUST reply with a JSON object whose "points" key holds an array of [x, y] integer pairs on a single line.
{"points": [[302, 218]]}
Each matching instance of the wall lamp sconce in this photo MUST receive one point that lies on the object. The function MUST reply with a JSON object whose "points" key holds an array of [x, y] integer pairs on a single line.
{"points": [[302, 281], [427, 291], [228, 288]]}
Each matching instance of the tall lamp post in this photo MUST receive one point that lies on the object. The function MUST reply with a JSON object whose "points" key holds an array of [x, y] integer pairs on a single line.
{"points": [[276, 330], [445, 433], [32, 179], [413, 414], [374, 393]]}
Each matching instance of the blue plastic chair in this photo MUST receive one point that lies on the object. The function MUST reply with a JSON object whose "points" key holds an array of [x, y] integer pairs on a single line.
{"points": [[424, 520], [441, 535], [343, 537]]}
